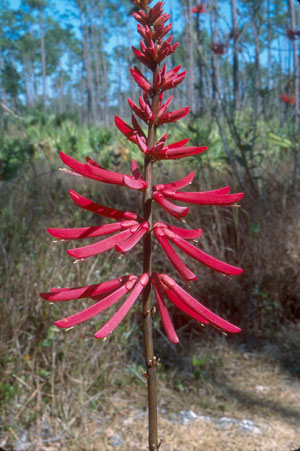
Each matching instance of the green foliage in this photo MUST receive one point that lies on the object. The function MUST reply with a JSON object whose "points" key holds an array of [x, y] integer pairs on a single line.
{"points": [[7, 391], [199, 365], [14, 153]]}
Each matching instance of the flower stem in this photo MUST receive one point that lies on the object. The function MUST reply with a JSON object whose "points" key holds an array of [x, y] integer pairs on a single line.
{"points": [[150, 359]]}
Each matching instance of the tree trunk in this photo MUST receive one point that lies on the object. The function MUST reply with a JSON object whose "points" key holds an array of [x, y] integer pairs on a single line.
{"points": [[214, 57], [191, 58], [97, 66], [88, 67], [104, 73], [61, 100], [43, 57], [235, 62], [296, 65]]}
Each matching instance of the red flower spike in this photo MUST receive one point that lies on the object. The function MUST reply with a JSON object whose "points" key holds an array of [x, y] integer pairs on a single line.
{"points": [[101, 246], [191, 302], [68, 294], [203, 198], [176, 261], [128, 244], [164, 314], [101, 210], [110, 326], [141, 81], [172, 209], [90, 232], [187, 180], [97, 308], [197, 254]]}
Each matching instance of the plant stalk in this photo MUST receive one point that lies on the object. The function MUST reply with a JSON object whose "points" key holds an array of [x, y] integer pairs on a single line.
{"points": [[150, 359]]}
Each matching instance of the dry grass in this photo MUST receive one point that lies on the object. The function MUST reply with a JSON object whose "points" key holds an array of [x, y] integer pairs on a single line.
{"points": [[236, 382], [81, 393]]}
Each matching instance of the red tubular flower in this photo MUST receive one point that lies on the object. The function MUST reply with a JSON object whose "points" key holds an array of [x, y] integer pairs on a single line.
{"points": [[164, 107], [143, 111], [91, 232], [130, 242], [140, 17], [129, 132], [141, 81], [293, 34], [136, 173], [94, 171], [218, 48], [144, 59], [173, 151], [110, 326], [202, 257], [199, 8], [164, 314], [187, 180], [155, 12], [172, 209], [88, 291], [290, 100], [176, 261], [108, 243], [214, 197], [97, 308], [173, 116], [187, 234], [191, 302], [156, 281], [101, 210]]}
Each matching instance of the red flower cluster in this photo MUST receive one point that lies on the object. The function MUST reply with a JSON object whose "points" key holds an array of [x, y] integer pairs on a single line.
{"points": [[290, 100], [218, 48], [129, 228], [293, 34], [199, 8]]}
